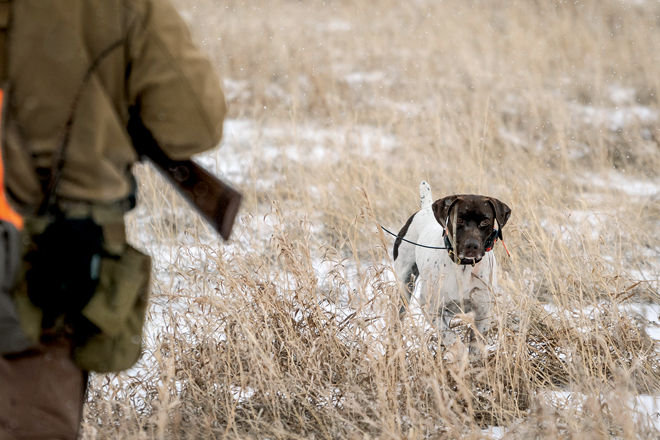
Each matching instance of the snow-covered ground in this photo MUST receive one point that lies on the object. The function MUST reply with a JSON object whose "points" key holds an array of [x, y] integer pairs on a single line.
{"points": [[246, 144]]}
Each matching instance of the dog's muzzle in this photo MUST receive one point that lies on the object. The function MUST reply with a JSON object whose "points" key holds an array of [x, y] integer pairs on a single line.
{"points": [[490, 243]]}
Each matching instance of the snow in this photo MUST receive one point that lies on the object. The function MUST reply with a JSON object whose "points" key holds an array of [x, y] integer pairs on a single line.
{"points": [[334, 25], [512, 138], [614, 118], [589, 222], [246, 143], [364, 77], [622, 95], [617, 181], [236, 90], [648, 407], [495, 432], [651, 313]]}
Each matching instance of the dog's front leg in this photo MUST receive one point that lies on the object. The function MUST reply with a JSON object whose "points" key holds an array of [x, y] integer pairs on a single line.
{"points": [[449, 338], [481, 305], [437, 304]]}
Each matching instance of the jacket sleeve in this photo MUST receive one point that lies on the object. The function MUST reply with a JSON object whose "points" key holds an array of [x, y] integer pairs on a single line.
{"points": [[180, 97]]}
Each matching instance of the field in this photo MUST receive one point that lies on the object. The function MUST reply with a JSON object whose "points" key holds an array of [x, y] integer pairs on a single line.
{"points": [[338, 110]]}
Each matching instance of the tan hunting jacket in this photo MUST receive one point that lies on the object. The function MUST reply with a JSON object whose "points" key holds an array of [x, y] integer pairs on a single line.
{"points": [[52, 45]]}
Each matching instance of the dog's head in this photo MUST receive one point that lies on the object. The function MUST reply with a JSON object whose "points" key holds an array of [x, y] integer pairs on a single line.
{"points": [[470, 220]]}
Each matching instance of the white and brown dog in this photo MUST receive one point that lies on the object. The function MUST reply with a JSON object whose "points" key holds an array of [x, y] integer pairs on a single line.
{"points": [[461, 278]]}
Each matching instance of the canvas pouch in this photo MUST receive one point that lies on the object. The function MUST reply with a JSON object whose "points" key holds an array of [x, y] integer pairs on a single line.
{"points": [[116, 313], [104, 314]]}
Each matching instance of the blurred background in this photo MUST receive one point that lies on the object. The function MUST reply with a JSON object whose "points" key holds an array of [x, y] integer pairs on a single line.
{"points": [[337, 111]]}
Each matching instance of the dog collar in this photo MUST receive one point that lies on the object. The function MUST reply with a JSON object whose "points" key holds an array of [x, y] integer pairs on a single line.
{"points": [[492, 239]]}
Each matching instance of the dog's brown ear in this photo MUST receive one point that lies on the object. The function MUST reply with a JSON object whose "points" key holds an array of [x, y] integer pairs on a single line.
{"points": [[441, 208], [502, 211]]}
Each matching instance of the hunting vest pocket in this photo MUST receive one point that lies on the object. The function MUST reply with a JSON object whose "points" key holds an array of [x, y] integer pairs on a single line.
{"points": [[117, 309]]}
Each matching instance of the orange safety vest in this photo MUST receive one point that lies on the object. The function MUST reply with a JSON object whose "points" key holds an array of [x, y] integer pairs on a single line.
{"points": [[7, 213]]}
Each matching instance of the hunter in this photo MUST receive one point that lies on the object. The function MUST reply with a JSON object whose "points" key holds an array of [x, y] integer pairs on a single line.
{"points": [[75, 71]]}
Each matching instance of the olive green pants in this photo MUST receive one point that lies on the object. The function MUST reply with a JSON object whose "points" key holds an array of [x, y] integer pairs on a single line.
{"points": [[41, 394]]}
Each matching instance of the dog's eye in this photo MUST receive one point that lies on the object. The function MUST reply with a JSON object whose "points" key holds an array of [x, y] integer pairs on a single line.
{"points": [[460, 221], [484, 223]]}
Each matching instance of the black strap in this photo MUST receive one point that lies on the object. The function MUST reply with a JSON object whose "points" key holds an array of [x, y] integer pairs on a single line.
{"points": [[411, 242], [59, 155]]}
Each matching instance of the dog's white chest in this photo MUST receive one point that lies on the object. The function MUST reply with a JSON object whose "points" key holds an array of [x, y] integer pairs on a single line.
{"points": [[441, 279]]}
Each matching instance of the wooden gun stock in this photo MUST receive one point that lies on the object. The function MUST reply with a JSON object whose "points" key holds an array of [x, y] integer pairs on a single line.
{"points": [[216, 201]]}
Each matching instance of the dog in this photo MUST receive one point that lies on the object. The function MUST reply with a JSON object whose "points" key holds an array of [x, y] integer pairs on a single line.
{"points": [[460, 279]]}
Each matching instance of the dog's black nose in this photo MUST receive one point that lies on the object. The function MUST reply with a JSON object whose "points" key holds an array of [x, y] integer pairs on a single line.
{"points": [[471, 245]]}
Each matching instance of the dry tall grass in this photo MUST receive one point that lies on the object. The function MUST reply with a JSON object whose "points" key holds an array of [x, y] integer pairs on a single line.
{"points": [[292, 330]]}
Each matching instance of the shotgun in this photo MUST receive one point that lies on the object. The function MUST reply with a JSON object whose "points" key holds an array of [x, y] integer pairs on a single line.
{"points": [[213, 199]]}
